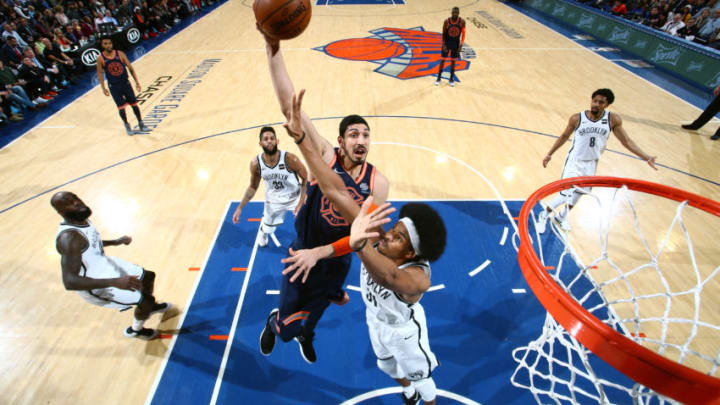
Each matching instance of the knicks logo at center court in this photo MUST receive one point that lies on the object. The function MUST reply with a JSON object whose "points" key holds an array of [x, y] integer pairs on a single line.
{"points": [[401, 53], [331, 214]]}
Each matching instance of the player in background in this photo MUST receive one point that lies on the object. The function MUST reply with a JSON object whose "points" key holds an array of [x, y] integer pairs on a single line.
{"points": [[453, 38], [591, 130], [284, 176]]}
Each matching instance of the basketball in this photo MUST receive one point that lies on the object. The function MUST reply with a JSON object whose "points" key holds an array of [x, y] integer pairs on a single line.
{"points": [[282, 19]]}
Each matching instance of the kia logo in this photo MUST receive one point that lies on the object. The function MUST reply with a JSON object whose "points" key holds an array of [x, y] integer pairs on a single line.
{"points": [[133, 35], [89, 57]]}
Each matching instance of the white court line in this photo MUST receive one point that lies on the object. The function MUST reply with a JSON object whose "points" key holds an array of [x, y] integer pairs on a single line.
{"points": [[272, 292], [480, 267], [396, 390], [518, 291], [151, 394], [57, 127], [236, 317], [352, 287], [436, 287], [274, 239], [504, 237]]}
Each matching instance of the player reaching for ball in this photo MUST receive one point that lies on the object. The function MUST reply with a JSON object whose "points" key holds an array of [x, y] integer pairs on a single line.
{"points": [[318, 223], [394, 275]]}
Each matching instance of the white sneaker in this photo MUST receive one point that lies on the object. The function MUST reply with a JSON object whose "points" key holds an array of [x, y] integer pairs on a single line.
{"points": [[564, 223], [40, 100], [437, 82], [263, 240], [452, 84], [541, 224]]}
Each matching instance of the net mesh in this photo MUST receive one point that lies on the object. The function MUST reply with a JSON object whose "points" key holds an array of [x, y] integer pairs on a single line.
{"points": [[660, 297]]}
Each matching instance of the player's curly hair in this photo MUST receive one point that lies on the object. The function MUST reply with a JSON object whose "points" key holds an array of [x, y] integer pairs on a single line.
{"points": [[607, 93], [430, 228]]}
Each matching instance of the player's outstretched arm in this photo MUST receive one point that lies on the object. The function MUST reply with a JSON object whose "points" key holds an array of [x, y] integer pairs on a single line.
{"points": [[622, 136], [250, 191], [70, 245], [330, 183], [284, 91], [125, 240], [408, 281], [573, 123]]}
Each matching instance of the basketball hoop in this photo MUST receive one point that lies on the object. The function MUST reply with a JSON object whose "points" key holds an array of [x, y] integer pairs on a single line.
{"points": [[609, 340]]}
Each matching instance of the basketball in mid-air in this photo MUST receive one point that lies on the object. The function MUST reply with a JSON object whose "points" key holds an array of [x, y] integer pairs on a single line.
{"points": [[282, 19]]}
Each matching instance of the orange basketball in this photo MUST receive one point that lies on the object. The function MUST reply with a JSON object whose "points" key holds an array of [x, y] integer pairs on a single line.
{"points": [[282, 19]]}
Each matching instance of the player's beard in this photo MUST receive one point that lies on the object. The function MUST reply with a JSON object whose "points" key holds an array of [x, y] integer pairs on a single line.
{"points": [[270, 151], [80, 215], [351, 155]]}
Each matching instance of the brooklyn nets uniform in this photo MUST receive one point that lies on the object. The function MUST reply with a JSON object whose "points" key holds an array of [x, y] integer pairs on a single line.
{"points": [[398, 330], [282, 190], [588, 143], [98, 266]]}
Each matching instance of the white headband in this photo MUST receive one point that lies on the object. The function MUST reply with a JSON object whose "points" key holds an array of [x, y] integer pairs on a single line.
{"points": [[412, 232]]}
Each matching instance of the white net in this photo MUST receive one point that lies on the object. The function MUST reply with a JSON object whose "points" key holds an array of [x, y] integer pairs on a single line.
{"points": [[643, 277]]}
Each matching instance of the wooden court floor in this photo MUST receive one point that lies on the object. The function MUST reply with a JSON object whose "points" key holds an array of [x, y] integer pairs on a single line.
{"points": [[57, 349]]}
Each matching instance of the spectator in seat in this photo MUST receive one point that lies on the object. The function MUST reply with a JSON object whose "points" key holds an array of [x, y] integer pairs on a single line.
{"points": [[108, 18], [25, 30], [11, 53], [70, 36], [38, 83], [86, 27], [619, 9], [10, 82], [710, 29], [689, 31], [69, 67], [702, 17], [60, 16], [673, 24], [9, 30], [655, 19], [51, 70]]}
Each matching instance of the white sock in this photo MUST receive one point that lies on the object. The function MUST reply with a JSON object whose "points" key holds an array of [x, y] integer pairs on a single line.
{"points": [[408, 391], [137, 325]]}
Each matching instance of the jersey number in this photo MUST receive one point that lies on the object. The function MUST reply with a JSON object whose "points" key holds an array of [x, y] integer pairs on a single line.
{"points": [[277, 185], [592, 141]]}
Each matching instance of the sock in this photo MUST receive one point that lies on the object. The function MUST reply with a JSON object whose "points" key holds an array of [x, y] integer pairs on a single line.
{"points": [[136, 110], [408, 391], [123, 115], [442, 64], [137, 325], [452, 71]]}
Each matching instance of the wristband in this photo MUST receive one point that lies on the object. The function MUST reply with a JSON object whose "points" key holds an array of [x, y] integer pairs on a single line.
{"points": [[302, 138], [361, 247], [342, 245]]}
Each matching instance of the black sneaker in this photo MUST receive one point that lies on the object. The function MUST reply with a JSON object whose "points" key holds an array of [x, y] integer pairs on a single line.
{"points": [[142, 127], [144, 333], [415, 399], [691, 127], [128, 129], [267, 337], [306, 347], [161, 308]]}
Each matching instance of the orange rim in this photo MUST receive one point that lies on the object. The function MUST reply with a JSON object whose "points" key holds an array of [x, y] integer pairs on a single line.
{"points": [[650, 369]]}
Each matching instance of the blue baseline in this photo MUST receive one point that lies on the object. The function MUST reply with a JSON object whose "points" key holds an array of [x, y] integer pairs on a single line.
{"points": [[474, 322], [88, 81], [356, 2]]}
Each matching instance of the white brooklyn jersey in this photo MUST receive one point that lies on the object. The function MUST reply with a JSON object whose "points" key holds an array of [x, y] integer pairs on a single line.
{"points": [[590, 137], [94, 261], [383, 304], [281, 185]]}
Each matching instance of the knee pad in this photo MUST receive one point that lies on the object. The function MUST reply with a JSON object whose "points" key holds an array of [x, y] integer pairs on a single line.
{"points": [[426, 388], [389, 367]]}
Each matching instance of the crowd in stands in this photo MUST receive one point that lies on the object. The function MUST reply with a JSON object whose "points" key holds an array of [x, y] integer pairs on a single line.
{"points": [[693, 20], [40, 37]]}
